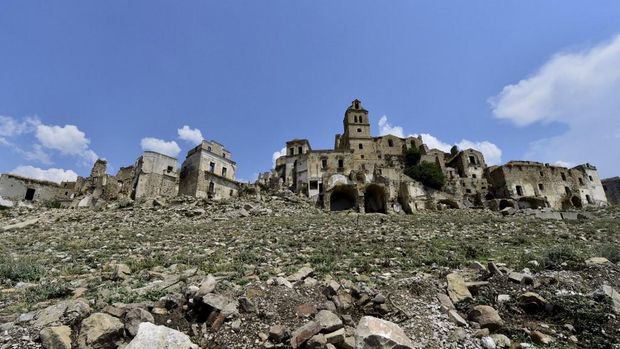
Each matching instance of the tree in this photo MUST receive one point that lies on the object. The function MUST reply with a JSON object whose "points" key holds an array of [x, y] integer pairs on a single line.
{"points": [[412, 157], [428, 173]]}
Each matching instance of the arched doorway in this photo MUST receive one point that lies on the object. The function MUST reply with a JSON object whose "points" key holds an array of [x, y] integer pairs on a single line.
{"points": [[342, 198], [576, 202], [505, 203], [375, 199]]}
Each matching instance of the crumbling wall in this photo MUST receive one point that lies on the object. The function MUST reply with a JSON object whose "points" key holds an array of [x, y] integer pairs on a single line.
{"points": [[19, 188], [612, 190]]}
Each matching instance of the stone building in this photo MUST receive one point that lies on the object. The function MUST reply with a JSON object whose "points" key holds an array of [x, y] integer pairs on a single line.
{"points": [[612, 190], [18, 188], [534, 184], [366, 173], [209, 172], [154, 175]]}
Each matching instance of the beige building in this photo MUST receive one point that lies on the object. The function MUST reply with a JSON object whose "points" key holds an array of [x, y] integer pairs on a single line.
{"points": [[154, 175], [209, 172], [18, 188], [366, 173]]}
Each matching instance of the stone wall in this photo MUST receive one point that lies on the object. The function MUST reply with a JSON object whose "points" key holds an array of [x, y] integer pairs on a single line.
{"points": [[612, 190], [156, 175], [19, 188]]}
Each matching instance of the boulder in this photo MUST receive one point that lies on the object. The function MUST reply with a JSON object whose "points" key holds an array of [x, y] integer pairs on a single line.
{"points": [[532, 302], [486, 316], [597, 261], [277, 333], [303, 333], [373, 333], [100, 331], [501, 341], [207, 286], [328, 321], [65, 312], [609, 293], [301, 274], [133, 319], [58, 337], [152, 336], [457, 289], [221, 303]]}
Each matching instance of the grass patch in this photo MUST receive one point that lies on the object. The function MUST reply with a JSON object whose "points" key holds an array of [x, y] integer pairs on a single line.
{"points": [[20, 269]]}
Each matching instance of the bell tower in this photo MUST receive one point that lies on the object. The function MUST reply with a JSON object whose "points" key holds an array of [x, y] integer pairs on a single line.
{"points": [[356, 124]]}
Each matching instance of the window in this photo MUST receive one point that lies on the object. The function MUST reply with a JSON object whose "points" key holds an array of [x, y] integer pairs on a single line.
{"points": [[591, 179], [212, 167], [390, 143], [29, 194], [291, 151], [357, 104], [314, 185], [324, 163], [580, 180], [473, 175], [340, 163], [542, 174], [361, 146], [359, 130], [589, 199], [468, 191], [541, 187], [472, 160], [224, 171], [563, 176], [355, 118], [169, 169], [519, 190], [301, 150], [224, 155], [567, 190], [211, 187], [362, 156], [232, 192]]}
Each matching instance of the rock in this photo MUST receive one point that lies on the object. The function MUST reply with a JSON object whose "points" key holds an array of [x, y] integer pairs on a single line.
{"points": [[277, 333], [331, 288], [503, 298], [206, 286], [305, 310], [65, 312], [58, 337], [597, 261], [483, 332], [336, 336], [20, 225], [478, 267], [316, 342], [541, 338], [121, 272], [221, 303], [133, 319], [246, 305], [301, 274], [6, 203], [532, 302], [100, 331], [609, 293], [151, 336], [493, 269], [328, 321], [457, 290], [373, 333], [283, 282], [486, 316], [487, 343], [501, 341], [303, 333], [456, 318]]}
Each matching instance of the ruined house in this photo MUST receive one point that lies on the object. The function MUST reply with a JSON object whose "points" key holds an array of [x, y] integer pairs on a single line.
{"points": [[209, 172], [366, 173], [18, 188], [154, 175], [612, 190]]}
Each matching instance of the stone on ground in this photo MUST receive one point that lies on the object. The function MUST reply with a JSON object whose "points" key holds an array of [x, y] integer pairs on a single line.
{"points": [[457, 289], [58, 337], [160, 337], [373, 333], [328, 321], [134, 318], [486, 316], [303, 333], [100, 331]]}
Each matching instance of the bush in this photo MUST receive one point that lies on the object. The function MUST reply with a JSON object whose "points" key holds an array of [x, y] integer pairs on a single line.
{"points": [[427, 173], [611, 252], [556, 255], [24, 269], [412, 157]]}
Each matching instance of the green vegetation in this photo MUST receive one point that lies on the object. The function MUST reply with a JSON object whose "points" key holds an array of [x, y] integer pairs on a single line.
{"points": [[428, 173], [21, 269]]}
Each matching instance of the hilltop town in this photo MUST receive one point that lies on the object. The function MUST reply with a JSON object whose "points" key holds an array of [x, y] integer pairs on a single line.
{"points": [[378, 243]]}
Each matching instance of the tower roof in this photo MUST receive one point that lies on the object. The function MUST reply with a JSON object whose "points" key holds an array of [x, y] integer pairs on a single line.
{"points": [[357, 105]]}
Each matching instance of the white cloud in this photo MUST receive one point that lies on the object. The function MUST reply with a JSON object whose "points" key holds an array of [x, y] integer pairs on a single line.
{"points": [[385, 128], [38, 154], [51, 174], [188, 134], [578, 89], [160, 146], [10, 127], [69, 140], [564, 164], [277, 154], [4, 141], [492, 153]]}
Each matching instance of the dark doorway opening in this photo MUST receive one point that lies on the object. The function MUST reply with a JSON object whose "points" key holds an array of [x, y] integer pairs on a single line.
{"points": [[576, 201], [342, 198], [29, 194], [374, 199], [505, 203]]}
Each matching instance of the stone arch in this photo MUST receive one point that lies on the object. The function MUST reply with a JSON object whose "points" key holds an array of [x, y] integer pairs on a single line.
{"points": [[375, 199], [342, 197], [506, 203]]}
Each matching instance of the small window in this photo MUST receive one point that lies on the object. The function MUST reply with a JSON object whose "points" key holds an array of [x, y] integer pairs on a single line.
{"points": [[362, 156], [589, 199], [390, 143], [567, 190], [563, 176], [340, 163], [224, 155], [468, 191], [580, 180], [291, 151], [212, 167], [314, 185], [590, 178], [211, 187], [301, 150], [224, 171], [541, 187], [542, 174], [355, 118], [361, 146], [209, 148], [169, 169], [519, 190], [359, 130], [232, 192], [324, 163], [473, 175], [472, 160]]}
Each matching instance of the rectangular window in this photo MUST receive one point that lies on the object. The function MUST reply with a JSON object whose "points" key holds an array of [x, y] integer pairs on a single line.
{"points": [[169, 169], [541, 187], [224, 171], [300, 150], [361, 146], [580, 180], [211, 187], [591, 179], [472, 160], [519, 190], [473, 175], [340, 163], [563, 176], [314, 185], [567, 190], [212, 167], [542, 174], [324, 163], [390, 143], [291, 151]]}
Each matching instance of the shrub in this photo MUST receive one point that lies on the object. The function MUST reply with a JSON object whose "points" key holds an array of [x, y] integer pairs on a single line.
{"points": [[556, 255], [427, 173], [611, 252], [24, 269], [412, 157]]}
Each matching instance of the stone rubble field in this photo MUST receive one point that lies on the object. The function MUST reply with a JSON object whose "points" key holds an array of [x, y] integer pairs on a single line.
{"points": [[276, 272]]}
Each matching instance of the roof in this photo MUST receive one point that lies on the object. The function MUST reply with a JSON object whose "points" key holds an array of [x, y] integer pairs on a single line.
{"points": [[32, 180]]}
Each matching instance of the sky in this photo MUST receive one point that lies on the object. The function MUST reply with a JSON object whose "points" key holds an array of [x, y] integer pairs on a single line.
{"points": [[518, 80]]}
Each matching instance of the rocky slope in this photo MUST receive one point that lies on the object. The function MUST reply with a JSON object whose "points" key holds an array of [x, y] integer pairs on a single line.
{"points": [[273, 271]]}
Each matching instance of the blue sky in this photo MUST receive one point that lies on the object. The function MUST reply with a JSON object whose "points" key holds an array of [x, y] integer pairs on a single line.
{"points": [[532, 80]]}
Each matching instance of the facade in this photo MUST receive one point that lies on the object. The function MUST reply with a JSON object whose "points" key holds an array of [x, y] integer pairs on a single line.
{"points": [[366, 173], [17, 188], [209, 172], [537, 184], [155, 175], [612, 190]]}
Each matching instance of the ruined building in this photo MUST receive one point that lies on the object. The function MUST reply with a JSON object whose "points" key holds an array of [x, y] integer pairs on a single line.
{"points": [[366, 173], [209, 172], [612, 190], [18, 188]]}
